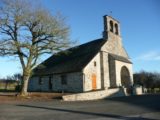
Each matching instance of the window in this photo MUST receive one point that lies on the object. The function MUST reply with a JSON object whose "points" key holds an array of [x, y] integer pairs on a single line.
{"points": [[40, 81], [50, 82], [64, 80], [95, 64], [111, 26], [116, 27]]}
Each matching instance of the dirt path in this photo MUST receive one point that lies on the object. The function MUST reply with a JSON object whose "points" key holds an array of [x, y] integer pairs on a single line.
{"points": [[13, 98]]}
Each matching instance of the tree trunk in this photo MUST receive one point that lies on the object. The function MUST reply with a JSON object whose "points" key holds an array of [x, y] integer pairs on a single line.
{"points": [[25, 85]]}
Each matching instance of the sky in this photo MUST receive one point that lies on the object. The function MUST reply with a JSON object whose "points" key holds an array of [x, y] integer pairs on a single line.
{"points": [[139, 21]]}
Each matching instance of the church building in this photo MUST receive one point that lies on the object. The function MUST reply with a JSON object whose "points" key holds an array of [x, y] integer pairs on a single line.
{"points": [[101, 64]]}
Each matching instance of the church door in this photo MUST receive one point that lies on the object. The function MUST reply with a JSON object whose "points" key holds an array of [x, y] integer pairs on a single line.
{"points": [[125, 77], [125, 80], [94, 82]]}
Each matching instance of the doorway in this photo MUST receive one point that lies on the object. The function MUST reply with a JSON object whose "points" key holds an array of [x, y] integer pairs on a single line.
{"points": [[125, 77], [94, 82]]}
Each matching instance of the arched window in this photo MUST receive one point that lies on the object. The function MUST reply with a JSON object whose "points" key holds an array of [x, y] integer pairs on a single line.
{"points": [[111, 26], [116, 29]]}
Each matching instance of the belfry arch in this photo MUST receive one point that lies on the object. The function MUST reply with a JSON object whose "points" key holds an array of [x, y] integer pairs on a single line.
{"points": [[111, 26], [116, 29], [125, 77]]}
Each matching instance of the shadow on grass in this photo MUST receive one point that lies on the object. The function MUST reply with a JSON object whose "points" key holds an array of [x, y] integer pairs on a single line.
{"points": [[87, 113]]}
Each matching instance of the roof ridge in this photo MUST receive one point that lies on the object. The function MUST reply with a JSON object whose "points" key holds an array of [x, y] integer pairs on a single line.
{"points": [[81, 44]]}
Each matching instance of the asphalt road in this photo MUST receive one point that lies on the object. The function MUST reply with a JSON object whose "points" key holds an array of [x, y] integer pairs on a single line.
{"points": [[146, 107]]}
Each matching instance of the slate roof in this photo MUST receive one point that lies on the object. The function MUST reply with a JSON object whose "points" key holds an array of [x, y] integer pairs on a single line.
{"points": [[73, 59], [70, 60], [119, 58]]}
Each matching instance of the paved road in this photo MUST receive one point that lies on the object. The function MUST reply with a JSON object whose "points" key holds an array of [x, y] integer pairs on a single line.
{"points": [[146, 107]]}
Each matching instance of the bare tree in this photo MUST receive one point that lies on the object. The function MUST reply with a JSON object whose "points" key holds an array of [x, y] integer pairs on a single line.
{"points": [[28, 32]]}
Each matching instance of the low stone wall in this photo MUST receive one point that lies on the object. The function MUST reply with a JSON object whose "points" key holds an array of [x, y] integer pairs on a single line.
{"points": [[116, 92], [84, 96]]}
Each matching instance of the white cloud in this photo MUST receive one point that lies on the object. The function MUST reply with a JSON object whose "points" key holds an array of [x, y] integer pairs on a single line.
{"points": [[149, 56]]}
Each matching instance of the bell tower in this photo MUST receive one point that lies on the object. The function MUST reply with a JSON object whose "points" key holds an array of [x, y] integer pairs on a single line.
{"points": [[111, 28]]}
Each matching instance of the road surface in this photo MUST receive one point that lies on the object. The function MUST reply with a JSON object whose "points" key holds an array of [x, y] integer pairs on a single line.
{"points": [[145, 107]]}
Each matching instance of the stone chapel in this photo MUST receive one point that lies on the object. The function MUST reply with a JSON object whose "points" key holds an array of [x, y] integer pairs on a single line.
{"points": [[101, 64]]}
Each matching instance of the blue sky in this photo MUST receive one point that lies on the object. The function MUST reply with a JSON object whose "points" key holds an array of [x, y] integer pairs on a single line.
{"points": [[139, 19]]}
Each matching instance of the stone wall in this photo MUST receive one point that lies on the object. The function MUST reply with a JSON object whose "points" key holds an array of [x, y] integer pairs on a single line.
{"points": [[112, 72], [34, 84], [119, 65], [91, 69], [114, 46], [116, 92], [107, 93], [74, 83], [109, 76], [105, 68]]}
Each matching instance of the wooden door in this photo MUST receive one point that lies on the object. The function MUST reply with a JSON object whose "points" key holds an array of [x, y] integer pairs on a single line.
{"points": [[94, 82]]}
